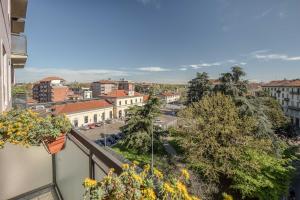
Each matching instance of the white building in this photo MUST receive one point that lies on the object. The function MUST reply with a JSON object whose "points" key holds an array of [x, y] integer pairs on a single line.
{"points": [[87, 93], [287, 92], [169, 97], [85, 112], [13, 46], [123, 100]]}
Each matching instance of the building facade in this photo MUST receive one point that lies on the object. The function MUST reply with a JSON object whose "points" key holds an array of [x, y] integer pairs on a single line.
{"points": [[169, 97], [125, 85], [85, 112], [287, 93], [13, 46], [51, 89], [103, 87], [122, 100]]}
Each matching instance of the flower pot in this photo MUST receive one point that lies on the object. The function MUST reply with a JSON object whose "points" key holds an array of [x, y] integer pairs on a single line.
{"points": [[54, 146]]}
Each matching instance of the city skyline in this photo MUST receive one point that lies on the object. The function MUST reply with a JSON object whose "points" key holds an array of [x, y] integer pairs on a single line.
{"points": [[161, 41]]}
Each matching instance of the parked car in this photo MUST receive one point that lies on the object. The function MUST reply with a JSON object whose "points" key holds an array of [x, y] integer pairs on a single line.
{"points": [[92, 126], [85, 127]]}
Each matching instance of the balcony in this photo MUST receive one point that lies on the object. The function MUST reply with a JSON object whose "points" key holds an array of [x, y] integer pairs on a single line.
{"points": [[32, 173], [19, 8], [18, 50]]}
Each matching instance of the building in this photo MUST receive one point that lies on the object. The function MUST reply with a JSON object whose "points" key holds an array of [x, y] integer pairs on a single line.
{"points": [[13, 46], [86, 93], [125, 85], [51, 89], [122, 100], [103, 87], [169, 97], [287, 92], [85, 112], [254, 89]]}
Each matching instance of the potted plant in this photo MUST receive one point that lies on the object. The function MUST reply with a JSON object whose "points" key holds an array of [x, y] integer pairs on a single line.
{"points": [[27, 128], [55, 136]]}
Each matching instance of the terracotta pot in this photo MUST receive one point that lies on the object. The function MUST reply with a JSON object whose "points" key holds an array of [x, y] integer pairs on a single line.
{"points": [[54, 146]]}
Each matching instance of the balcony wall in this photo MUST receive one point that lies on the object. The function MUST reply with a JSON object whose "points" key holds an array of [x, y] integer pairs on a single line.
{"points": [[23, 170]]}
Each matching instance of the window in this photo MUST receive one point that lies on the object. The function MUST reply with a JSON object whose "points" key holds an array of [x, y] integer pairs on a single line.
{"points": [[75, 122], [95, 118], [131, 102], [103, 116], [120, 113], [120, 103], [110, 114], [135, 100], [125, 102], [140, 99], [86, 119]]}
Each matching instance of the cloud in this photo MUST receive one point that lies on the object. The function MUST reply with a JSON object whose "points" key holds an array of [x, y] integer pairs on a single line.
{"points": [[183, 69], [283, 57], [264, 13], [156, 3], [33, 73], [243, 63], [153, 69], [198, 66]]}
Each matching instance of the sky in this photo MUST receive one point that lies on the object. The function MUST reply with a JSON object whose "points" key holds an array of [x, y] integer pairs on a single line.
{"points": [[166, 41]]}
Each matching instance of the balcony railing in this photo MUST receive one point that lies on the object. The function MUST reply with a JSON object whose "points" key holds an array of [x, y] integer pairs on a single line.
{"points": [[25, 172], [18, 50]]}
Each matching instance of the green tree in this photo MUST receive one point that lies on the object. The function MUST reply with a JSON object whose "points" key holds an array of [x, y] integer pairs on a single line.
{"points": [[220, 145], [139, 125], [232, 83], [198, 87]]}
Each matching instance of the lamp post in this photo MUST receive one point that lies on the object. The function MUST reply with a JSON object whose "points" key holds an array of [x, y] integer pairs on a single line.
{"points": [[152, 155]]}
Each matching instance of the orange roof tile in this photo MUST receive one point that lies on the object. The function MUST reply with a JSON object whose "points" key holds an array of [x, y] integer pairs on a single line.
{"points": [[120, 93], [50, 78], [80, 106], [283, 83], [169, 94], [145, 98]]}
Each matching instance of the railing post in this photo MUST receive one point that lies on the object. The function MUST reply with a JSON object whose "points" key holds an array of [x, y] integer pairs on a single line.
{"points": [[91, 166]]}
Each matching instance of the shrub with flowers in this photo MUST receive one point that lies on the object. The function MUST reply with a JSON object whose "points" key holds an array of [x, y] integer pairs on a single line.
{"points": [[137, 186], [27, 128]]}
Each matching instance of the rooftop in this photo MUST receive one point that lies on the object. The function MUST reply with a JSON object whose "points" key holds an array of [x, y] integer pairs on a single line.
{"points": [[51, 78], [105, 82], [283, 83], [120, 93], [80, 106], [168, 94]]}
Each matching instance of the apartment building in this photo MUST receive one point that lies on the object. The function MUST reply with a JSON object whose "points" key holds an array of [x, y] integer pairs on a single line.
{"points": [[122, 100], [85, 112], [125, 85], [287, 92], [51, 89], [13, 46], [103, 87], [169, 97]]}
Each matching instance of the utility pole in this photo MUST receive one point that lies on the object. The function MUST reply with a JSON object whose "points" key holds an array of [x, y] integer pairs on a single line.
{"points": [[152, 155]]}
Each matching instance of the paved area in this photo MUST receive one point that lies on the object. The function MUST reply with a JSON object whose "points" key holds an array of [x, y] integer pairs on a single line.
{"points": [[166, 120], [107, 129]]}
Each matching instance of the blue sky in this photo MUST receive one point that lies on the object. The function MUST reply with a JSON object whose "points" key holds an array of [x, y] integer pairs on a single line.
{"points": [[161, 40]]}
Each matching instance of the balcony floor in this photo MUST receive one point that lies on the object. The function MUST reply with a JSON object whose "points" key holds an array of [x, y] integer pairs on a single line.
{"points": [[44, 194]]}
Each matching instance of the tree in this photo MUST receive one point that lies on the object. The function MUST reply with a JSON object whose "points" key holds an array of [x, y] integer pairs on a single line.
{"points": [[198, 87], [232, 83], [220, 144], [139, 125]]}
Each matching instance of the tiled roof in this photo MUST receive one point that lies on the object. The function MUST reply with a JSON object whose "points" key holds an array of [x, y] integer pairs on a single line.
{"points": [[51, 78], [283, 83], [120, 93], [80, 106]]}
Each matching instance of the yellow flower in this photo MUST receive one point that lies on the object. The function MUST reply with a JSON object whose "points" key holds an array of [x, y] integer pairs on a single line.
{"points": [[149, 194], [168, 188], [227, 196], [137, 178], [158, 174], [89, 183], [125, 166], [185, 174], [2, 144], [181, 187]]}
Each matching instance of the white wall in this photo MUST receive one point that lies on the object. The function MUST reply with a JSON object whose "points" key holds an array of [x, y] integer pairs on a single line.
{"points": [[5, 44], [80, 116], [136, 101]]}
